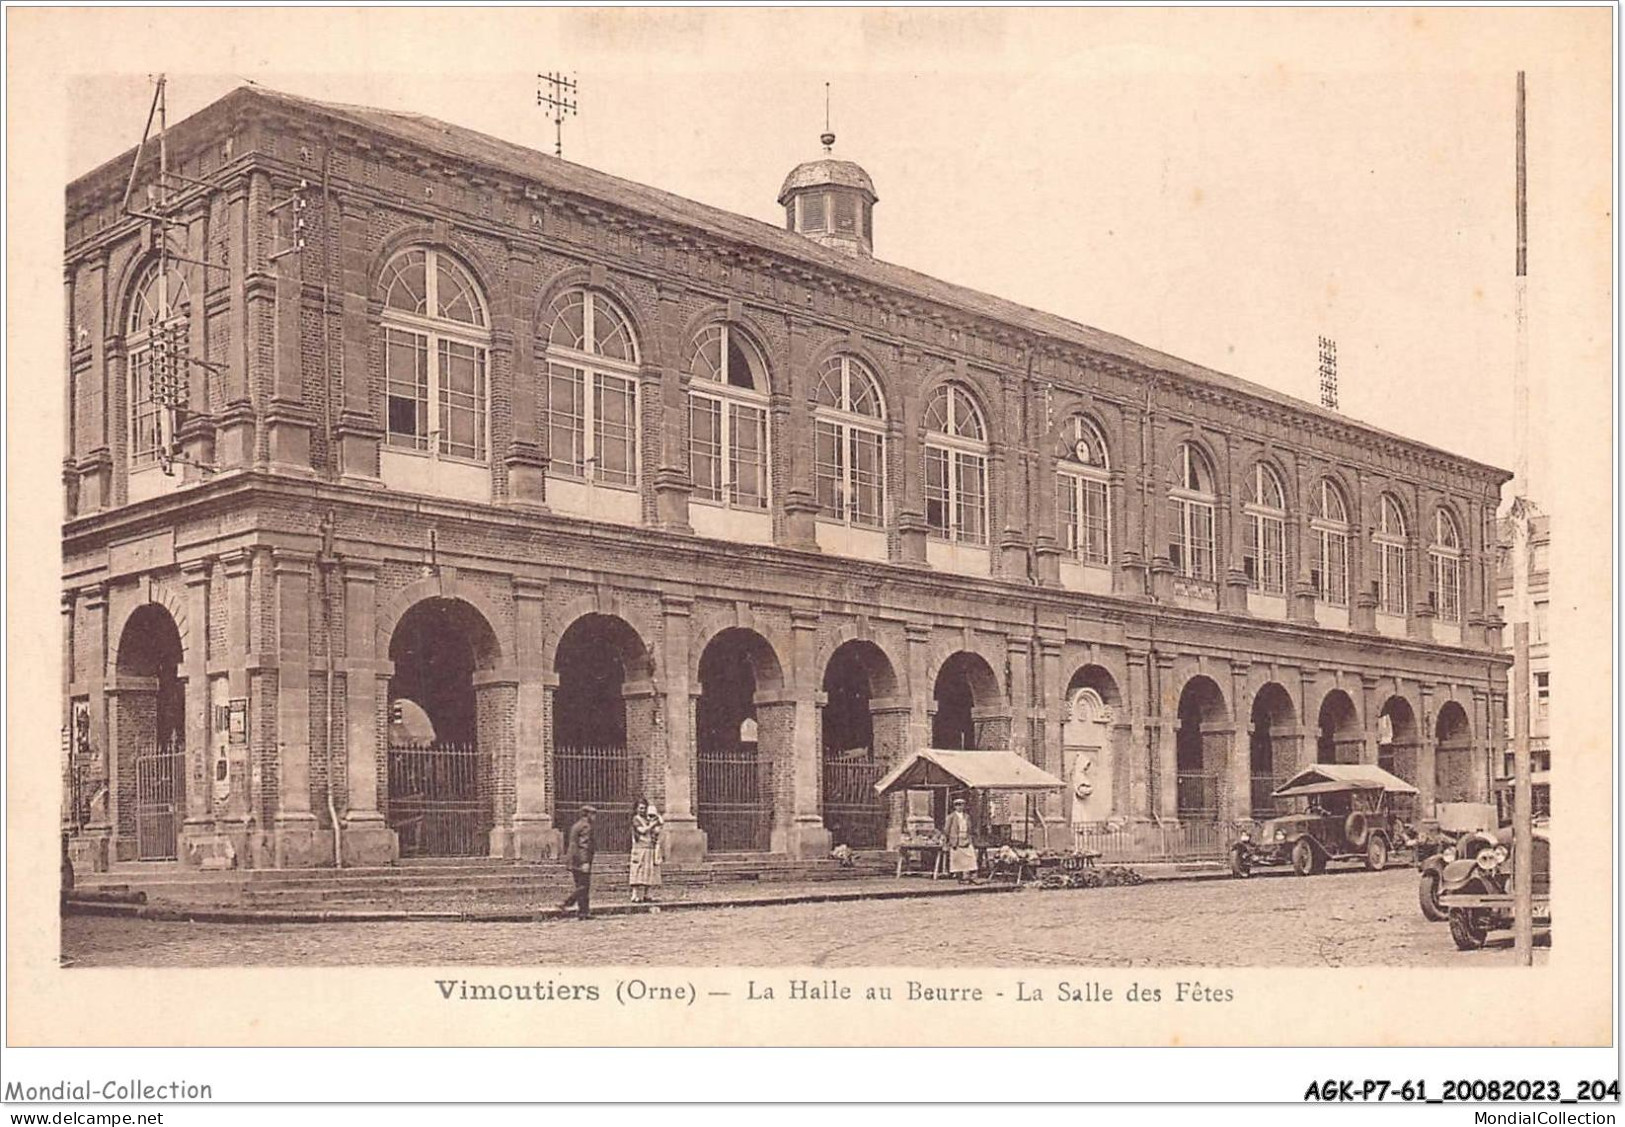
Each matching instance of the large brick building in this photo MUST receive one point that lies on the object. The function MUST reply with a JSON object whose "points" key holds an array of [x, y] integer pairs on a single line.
{"points": [[420, 487]]}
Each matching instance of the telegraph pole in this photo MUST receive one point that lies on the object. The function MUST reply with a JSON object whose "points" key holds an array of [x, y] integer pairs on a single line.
{"points": [[1523, 841]]}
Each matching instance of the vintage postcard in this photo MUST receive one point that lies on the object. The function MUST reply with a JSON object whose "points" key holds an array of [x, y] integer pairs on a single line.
{"points": [[822, 527]]}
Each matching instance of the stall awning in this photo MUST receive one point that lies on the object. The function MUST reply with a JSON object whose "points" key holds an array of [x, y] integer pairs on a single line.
{"points": [[972, 770], [1323, 778]]}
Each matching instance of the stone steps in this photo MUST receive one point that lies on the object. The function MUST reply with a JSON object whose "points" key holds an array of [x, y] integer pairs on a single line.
{"points": [[471, 881]]}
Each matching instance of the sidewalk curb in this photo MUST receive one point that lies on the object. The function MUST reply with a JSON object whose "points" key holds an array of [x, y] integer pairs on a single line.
{"points": [[174, 913]]}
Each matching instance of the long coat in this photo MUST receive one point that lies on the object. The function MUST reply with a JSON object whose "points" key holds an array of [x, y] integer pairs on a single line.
{"points": [[578, 846]]}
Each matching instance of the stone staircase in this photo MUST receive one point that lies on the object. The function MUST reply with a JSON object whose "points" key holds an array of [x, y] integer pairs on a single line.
{"points": [[453, 884]]}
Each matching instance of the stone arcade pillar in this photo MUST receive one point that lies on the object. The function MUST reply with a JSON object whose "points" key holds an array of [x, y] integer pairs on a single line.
{"points": [[800, 830], [233, 816], [1427, 757], [295, 826], [98, 828], [1167, 729], [1048, 717], [535, 838], [685, 841], [198, 826], [1236, 788], [367, 838], [917, 733], [892, 720], [1140, 734]]}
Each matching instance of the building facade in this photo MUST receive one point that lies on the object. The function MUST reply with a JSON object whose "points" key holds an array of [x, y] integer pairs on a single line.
{"points": [[420, 487]]}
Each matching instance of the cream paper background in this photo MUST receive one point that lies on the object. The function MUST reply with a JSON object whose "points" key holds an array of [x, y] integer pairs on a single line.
{"points": [[1566, 1002]]}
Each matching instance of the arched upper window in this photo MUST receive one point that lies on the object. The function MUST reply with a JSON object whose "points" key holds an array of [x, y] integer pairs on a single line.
{"points": [[1082, 493], [437, 343], [727, 419], [592, 390], [157, 338], [1329, 524], [1390, 536], [1190, 514], [849, 443], [1264, 554], [955, 466], [1445, 555]]}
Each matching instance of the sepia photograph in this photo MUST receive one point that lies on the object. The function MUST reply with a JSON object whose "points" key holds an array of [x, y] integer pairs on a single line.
{"points": [[813, 494]]}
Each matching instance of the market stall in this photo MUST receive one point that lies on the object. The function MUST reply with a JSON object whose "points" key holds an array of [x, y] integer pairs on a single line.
{"points": [[987, 779]]}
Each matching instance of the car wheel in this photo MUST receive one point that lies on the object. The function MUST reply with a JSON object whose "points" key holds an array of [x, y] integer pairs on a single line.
{"points": [[1304, 858], [1238, 863], [1376, 853], [1467, 928], [1427, 894]]}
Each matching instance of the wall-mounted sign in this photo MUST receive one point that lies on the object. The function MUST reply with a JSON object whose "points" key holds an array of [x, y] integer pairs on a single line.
{"points": [[237, 721]]}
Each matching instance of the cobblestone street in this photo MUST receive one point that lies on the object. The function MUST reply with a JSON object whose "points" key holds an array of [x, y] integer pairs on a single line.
{"points": [[1337, 919]]}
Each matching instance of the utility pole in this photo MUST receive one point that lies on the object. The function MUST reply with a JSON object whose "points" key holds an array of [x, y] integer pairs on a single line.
{"points": [[1523, 841]]}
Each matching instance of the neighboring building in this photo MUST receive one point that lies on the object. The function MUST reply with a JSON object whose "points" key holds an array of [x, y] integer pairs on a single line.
{"points": [[519, 485], [1523, 589]]}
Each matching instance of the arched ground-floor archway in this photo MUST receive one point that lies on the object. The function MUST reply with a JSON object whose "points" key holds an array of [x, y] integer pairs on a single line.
{"points": [[440, 793], [602, 721], [147, 717], [1399, 749], [1272, 748], [1339, 739], [965, 715], [1201, 751], [736, 748], [1454, 777], [1093, 763], [857, 677]]}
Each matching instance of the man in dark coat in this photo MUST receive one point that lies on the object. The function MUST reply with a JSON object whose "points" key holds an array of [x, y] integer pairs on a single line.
{"points": [[578, 849]]}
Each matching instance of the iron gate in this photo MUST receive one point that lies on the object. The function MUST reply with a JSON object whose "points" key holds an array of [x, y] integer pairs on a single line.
{"points": [[160, 795], [730, 807], [600, 775], [853, 813], [435, 800]]}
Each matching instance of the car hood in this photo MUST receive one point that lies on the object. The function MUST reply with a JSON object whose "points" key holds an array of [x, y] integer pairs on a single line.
{"points": [[1290, 824]]}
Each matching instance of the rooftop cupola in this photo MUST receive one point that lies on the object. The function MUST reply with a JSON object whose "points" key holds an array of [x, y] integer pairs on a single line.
{"points": [[832, 202]]}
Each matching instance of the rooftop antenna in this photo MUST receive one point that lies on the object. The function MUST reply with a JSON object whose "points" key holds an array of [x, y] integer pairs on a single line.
{"points": [[827, 138], [559, 97], [1328, 373], [169, 356]]}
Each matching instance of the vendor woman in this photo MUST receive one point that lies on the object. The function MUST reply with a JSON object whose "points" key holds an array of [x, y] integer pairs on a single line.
{"points": [[961, 852]]}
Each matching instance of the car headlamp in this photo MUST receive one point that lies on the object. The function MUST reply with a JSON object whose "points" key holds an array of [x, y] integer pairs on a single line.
{"points": [[1492, 858], [1449, 853], [1280, 835]]}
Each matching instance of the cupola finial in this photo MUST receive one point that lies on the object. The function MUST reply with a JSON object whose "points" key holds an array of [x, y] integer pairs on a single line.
{"points": [[827, 137]]}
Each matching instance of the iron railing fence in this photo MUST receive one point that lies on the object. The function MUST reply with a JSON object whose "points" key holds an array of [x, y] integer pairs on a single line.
{"points": [[853, 813], [1197, 796], [436, 804], [600, 775], [160, 799], [732, 804], [1151, 841]]}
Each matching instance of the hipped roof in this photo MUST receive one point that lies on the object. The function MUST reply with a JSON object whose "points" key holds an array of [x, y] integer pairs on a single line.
{"points": [[972, 770], [545, 169]]}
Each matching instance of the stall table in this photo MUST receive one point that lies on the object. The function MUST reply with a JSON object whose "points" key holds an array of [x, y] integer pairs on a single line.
{"points": [[917, 858]]}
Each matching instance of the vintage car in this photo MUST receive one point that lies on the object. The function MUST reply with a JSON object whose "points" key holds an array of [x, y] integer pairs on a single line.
{"points": [[1459, 830], [1476, 890], [1346, 815]]}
